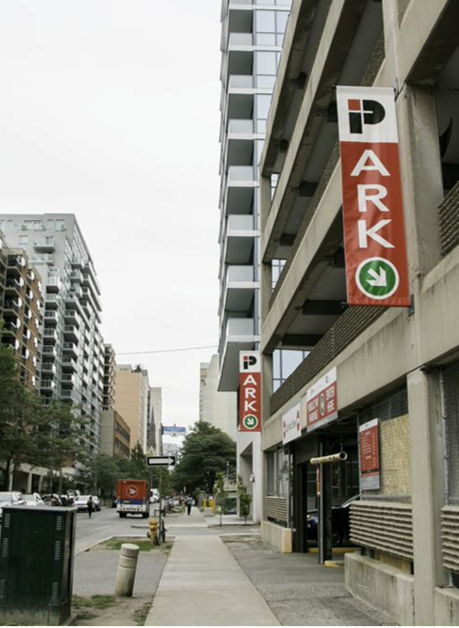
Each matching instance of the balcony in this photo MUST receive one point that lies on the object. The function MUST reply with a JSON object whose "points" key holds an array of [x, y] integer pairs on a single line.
{"points": [[238, 240], [16, 262], [52, 302], [15, 285], [49, 351], [46, 244], [49, 368], [12, 306], [71, 333], [70, 348], [237, 190], [51, 317], [47, 384], [69, 364], [76, 276], [77, 263], [50, 335], [238, 335], [42, 258], [69, 395], [54, 284], [238, 289], [75, 292], [68, 379], [72, 317]]}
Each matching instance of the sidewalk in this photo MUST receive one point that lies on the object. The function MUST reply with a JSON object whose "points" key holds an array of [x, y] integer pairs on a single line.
{"points": [[234, 580], [203, 585]]}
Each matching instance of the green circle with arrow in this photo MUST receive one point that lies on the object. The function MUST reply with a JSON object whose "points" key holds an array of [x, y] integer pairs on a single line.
{"points": [[377, 278], [250, 422]]}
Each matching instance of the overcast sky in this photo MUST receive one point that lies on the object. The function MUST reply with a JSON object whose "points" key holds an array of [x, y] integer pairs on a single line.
{"points": [[109, 109]]}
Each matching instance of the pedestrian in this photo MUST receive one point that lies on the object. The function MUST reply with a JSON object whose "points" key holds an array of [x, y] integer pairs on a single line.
{"points": [[90, 505], [189, 503]]}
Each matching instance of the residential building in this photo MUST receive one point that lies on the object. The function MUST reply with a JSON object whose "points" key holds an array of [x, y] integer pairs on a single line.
{"points": [[109, 377], [394, 370], [72, 351], [131, 400], [115, 435], [215, 407], [21, 308], [251, 44]]}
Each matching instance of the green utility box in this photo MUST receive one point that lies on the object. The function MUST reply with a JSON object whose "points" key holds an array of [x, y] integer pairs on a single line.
{"points": [[36, 565]]}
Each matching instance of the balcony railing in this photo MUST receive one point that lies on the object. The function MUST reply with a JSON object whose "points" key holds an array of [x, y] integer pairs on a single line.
{"points": [[241, 81], [239, 274], [44, 244], [240, 127], [241, 174], [240, 39], [47, 384]]}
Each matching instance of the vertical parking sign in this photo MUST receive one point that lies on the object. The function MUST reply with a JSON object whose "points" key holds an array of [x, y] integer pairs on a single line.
{"points": [[374, 230], [249, 391]]}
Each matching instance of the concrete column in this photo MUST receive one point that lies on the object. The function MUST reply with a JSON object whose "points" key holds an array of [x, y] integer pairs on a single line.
{"points": [[127, 566], [428, 489], [422, 177]]}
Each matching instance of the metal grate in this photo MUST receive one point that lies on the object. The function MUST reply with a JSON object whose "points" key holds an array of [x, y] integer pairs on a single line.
{"points": [[451, 412], [5, 547], [388, 408], [449, 220]]}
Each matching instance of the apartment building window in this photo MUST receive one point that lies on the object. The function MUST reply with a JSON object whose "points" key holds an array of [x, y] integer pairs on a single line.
{"points": [[277, 473], [285, 362], [33, 225]]}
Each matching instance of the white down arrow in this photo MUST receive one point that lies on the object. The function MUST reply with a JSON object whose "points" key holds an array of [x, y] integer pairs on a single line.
{"points": [[379, 279]]}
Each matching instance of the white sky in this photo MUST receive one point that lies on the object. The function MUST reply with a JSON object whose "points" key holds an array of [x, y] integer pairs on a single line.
{"points": [[109, 109]]}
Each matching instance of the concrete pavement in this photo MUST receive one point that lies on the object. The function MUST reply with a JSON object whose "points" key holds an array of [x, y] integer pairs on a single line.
{"points": [[203, 585]]}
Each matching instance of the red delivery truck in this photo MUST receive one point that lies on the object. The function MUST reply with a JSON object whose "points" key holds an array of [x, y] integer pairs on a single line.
{"points": [[132, 497]]}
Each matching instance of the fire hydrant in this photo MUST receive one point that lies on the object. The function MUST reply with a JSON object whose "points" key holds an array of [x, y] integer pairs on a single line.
{"points": [[153, 531]]}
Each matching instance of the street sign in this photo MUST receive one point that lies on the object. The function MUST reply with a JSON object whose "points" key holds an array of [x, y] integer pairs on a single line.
{"points": [[374, 230], [165, 461], [174, 430]]}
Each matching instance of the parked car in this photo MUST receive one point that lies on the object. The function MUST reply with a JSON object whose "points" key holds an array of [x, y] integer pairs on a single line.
{"points": [[340, 522], [33, 499], [52, 499], [82, 503], [11, 498]]}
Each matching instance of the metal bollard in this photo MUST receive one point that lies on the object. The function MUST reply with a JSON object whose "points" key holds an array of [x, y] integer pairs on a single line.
{"points": [[127, 566]]}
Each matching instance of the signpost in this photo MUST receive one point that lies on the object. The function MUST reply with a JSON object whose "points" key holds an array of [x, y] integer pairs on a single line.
{"points": [[370, 473], [374, 229], [163, 461]]}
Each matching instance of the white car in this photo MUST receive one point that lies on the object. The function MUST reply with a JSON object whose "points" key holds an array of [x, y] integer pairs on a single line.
{"points": [[82, 503], [33, 499], [11, 498]]}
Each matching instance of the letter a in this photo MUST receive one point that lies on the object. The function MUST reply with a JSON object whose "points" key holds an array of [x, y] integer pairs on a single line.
{"points": [[374, 163]]}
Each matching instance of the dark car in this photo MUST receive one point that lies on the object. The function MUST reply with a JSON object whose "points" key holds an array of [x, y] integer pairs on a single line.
{"points": [[340, 522]]}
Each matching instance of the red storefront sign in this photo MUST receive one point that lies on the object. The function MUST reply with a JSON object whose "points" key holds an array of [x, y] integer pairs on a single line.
{"points": [[370, 476], [374, 229], [322, 401], [249, 391]]}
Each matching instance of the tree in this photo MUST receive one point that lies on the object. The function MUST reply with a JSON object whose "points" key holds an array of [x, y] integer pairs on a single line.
{"points": [[30, 432], [206, 451], [220, 494], [245, 500]]}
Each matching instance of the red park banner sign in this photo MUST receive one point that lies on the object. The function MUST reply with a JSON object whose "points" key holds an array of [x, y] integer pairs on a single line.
{"points": [[249, 391], [374, 229]]}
